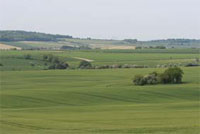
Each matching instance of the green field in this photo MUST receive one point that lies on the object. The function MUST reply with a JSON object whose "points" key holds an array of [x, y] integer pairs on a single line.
{"points": [[97, 101], [13, 60], [34, 100]]}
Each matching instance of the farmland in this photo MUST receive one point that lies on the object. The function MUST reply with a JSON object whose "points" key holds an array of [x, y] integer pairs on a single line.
{"points": [[99, 67], [97, 101], [8, 47], [36, 100], [14, 60], [35, 40]]}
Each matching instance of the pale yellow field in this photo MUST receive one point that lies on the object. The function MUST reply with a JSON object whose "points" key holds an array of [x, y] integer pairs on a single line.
{"points": [[106, 46], [119, 47], [8, 47], [89, 60]]}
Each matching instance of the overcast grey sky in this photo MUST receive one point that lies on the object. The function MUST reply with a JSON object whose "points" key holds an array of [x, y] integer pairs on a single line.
{"points": [[116, 19]]}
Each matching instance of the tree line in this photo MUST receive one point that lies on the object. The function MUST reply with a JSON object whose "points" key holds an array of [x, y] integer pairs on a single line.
{"points": [[29, 36]]}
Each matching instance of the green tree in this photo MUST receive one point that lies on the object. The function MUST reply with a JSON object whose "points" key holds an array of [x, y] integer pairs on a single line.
{"points": [[61, 66], [172, 75], [85, 64]]}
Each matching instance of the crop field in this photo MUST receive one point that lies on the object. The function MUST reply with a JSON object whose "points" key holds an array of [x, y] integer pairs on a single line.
{"points": [[35, 100], [97, 101], [150, 59], [6, 47], [67, 42], [99, 67], [13, 60]]}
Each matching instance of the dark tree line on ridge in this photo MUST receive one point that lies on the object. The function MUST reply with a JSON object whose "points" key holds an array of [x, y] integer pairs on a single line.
{"points": [[29, 36]]}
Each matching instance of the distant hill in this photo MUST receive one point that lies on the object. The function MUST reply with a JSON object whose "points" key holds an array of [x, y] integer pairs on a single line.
{"points": [[168, 43], [165, 42], [43, 40], [176, 41], [29, 36]]}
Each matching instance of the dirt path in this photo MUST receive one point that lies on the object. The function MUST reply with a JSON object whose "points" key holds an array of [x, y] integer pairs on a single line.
{"points": [[79, 58]]}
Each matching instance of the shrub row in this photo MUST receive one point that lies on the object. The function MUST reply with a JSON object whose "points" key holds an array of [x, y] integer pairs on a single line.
{"points": [[119, 66], [177, 65], [87, 65], [191, 65]]}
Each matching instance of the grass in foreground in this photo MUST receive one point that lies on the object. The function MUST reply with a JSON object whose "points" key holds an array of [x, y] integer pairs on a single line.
{"points": [[97, 101]]}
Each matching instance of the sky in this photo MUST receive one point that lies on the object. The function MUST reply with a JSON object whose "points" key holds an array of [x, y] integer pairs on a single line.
{"points": [[109, 19]]}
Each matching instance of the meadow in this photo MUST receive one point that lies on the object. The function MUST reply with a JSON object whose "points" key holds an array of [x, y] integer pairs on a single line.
{"points": [[97, 101], [34, 100], [14, 60]]}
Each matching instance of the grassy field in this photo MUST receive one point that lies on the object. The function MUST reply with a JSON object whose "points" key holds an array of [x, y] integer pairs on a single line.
{"points": [[143, 58], [97, 101], [13, 60]]}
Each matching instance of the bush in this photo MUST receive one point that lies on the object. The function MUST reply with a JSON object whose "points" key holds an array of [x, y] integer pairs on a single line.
{"points": [[160, 47], [139, 80], [61, 65], [138, 48], [27, 56], [150, 79], [56, 62], [1, 64], [191, 65], [163, 78], [52, 66], [50, 58], [32, 64], [85, 64], [115, 66], [197, 59], [125, 66], [45, 57], [171, 75]]}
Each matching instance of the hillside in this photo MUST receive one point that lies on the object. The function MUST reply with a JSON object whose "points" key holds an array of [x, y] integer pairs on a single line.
{"points": [[97, 102], [35, 40], [15, 60], [29, 36]]}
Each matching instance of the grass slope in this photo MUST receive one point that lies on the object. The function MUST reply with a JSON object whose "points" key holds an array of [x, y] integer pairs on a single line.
{"points": [[97, 101], [13, 60]]}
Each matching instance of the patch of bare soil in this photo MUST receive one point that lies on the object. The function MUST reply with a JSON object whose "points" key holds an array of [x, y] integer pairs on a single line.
{"points": [[8, 47], [79, 58]]}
